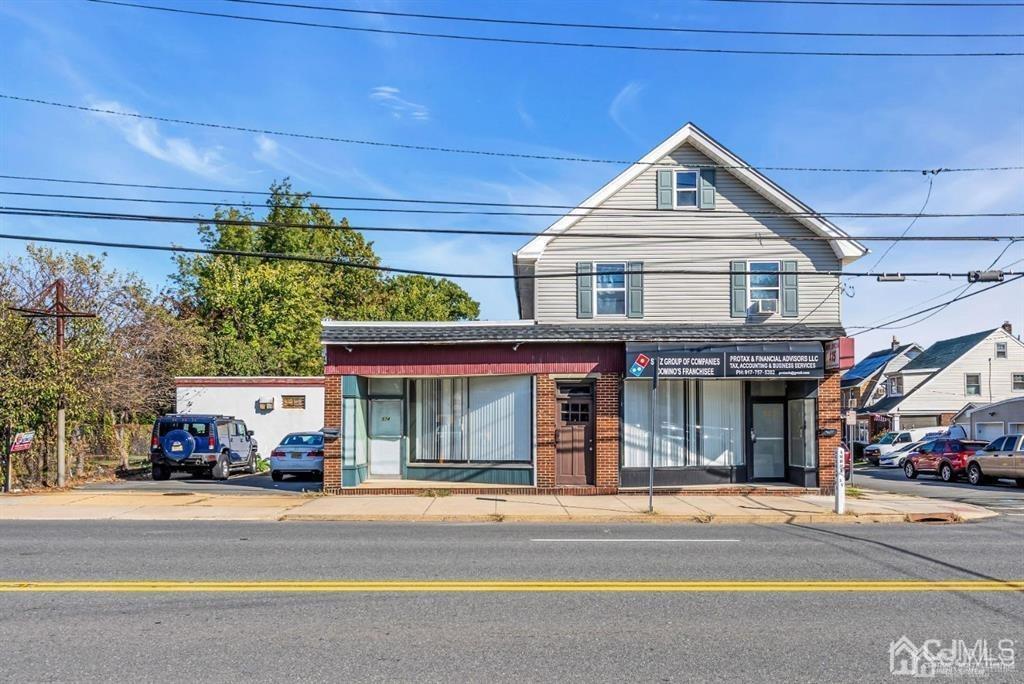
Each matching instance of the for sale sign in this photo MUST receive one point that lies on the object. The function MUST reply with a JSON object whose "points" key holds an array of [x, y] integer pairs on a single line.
{"points": [[22, 441]]}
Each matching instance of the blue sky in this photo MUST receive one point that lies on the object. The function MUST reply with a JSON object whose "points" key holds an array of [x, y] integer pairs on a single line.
{"points": [[547, 100]]}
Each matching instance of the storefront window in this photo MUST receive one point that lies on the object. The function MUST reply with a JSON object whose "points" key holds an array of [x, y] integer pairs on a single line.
{"points": [[802, 433], [698, 423], [459, 420]]}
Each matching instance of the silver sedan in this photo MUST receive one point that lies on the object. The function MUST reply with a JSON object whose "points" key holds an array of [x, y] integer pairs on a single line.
{"points": [[298, 452]]}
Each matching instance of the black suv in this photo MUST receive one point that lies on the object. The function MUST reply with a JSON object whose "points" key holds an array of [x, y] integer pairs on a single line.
{"points": [[204, 445]]}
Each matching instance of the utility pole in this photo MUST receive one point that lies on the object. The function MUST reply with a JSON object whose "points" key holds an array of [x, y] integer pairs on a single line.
{"points": [[60, 312]]}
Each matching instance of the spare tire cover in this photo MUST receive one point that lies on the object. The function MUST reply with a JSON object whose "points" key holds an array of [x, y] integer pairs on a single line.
{"points": [[178, 445]]}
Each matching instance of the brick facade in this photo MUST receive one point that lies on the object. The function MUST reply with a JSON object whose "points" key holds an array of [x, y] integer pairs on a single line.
{"points": [[608, 391], [332, 420], [828, 417], [545, 447]]}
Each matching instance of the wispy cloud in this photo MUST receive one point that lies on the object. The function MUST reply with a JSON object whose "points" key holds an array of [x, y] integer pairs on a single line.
{"points": [[390, 98], [146, 137], [622, 103], [314, 175]]}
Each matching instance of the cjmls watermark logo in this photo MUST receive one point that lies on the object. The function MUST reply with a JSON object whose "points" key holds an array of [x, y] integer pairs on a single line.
{"points": [[955, 658]]}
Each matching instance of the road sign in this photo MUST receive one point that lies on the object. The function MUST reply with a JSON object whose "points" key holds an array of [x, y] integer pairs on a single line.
{"points": [[22, 441]]}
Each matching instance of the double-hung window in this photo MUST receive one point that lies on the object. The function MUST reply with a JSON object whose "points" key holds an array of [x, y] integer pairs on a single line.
{"points": [[764, 286], [610, 289], [1017, 380], [972, 383], [685, 189], [1000, 350]]}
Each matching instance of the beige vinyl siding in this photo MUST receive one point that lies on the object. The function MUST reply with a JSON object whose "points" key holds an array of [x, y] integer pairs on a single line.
{"points": [[946, 391], [688, 298]]}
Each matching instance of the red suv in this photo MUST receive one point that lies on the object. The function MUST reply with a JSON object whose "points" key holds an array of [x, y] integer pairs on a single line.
{"points": [[946, 457]]}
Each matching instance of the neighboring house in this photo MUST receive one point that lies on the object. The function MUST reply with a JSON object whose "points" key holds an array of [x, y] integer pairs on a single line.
{"points": [[654, 274], [930, 390], [870, 381], [989, 421], [270, 406]]}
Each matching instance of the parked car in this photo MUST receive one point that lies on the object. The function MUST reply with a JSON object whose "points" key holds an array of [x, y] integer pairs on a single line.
{"points": [[1001, 458], [897, 457], [945, 457], [298, 452], [847, 460], [891, 441], [200, 444]]}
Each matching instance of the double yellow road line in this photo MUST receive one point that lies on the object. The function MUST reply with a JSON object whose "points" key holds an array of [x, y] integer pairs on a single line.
{"points": [[517, 586]]}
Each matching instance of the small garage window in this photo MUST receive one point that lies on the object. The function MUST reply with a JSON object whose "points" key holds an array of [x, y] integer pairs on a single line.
{"points": [[293, 401]]}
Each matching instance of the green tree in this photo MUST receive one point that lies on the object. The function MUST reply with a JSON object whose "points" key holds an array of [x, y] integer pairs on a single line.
{"points": [[262, 316]]}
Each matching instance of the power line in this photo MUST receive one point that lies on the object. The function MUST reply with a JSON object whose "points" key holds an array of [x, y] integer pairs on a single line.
{"points": [[759, 237], [617, 27], [647, 213], [927, 198], [943, 305], [556, 43], [594, 209], [440, 274], [484, 153]]}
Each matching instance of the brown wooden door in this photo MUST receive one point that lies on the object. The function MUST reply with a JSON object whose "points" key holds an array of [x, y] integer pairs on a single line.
{"points": [[574, 441]]}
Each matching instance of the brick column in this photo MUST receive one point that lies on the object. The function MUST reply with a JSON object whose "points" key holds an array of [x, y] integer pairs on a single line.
{"points": [[607, 400], [828, 417], [544, 454], [332, 419]]}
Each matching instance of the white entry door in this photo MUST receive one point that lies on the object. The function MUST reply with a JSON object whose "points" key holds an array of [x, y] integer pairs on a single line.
{"points": [[385, 437]]}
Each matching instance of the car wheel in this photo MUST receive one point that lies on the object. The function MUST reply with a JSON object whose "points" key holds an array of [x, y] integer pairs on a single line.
{"points": [[910, 471], [277, 475], [223, 468], [161, 472], [946, 473], [251, 468], [974, 474]]}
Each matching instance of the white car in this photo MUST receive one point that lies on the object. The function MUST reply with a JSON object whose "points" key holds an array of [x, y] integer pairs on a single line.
{"points": [[891, 441], [895, 459], [298, 453]]}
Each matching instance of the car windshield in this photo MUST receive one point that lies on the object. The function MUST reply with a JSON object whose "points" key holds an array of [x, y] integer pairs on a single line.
{"points": [[303, 440], [888, 437], [194, 429]]}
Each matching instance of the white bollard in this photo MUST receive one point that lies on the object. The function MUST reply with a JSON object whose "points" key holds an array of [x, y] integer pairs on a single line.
{"points": [[840, 481]]}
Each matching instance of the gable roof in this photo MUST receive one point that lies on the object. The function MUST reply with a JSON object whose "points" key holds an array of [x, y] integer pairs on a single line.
{"points": [[871, 364], [945, 352], [845, 248]]}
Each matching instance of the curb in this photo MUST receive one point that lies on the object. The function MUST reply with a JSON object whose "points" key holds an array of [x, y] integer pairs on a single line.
{"points": [[802, 518]]}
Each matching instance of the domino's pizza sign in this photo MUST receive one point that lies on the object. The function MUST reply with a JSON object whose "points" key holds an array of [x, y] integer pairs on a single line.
{"points": [[640, 364]]}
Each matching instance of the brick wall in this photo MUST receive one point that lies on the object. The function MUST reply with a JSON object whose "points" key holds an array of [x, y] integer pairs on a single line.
{"points": [[828, 417], [545, 451], [608, 391], [332, 419]]}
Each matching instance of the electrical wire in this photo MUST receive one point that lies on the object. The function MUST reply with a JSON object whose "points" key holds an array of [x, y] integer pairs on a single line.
{"points": [[719, 236], [874, 3], [594, 213], [442, 274], [484, 153], [943, 305], [554, 43], [615, 27], [927, 198], [579, 207]]}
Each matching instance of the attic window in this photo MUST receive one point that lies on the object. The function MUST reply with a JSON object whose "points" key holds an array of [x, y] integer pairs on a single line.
{"points": [[685, 195], [1000, 350]]}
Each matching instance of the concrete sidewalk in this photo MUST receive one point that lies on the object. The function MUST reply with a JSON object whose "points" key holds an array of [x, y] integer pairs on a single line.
{"points": [[872, 507]]}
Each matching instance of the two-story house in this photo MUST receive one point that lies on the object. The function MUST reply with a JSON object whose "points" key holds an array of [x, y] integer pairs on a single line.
{"points": [[673, 324], [870, 381], [977, 369]]}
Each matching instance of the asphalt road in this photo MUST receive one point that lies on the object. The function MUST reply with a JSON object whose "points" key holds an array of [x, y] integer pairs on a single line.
{"points": [[236, 484], [1005, 496], [496, 636]]}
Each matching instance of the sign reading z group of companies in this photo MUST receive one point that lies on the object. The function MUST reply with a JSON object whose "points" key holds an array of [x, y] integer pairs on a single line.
{"points": [[731, 364]]}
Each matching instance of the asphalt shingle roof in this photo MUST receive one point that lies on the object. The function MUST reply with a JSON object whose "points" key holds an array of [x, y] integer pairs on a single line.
{"points": [[871, 363], [945, 352], [355, 332]]}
